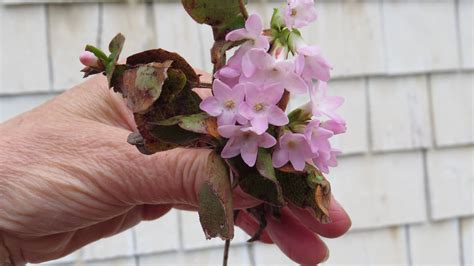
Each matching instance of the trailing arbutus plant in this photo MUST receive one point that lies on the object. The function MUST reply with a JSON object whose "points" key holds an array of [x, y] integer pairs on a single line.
{"points": [[275, 155]]}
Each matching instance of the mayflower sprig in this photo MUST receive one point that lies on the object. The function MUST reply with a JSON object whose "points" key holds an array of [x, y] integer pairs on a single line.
{"points": [[276, 155]]}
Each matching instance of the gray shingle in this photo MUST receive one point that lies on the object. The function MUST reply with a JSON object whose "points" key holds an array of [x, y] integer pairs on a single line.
{"points": [[420, 36], [350, 35], [381, 190], [435, 243], [399, 113], [451, 182], [71, 27], [24, 51], [452, 103]]}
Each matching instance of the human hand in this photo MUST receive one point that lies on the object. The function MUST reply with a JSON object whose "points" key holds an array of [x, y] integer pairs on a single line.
{"points": [[68, 178]]}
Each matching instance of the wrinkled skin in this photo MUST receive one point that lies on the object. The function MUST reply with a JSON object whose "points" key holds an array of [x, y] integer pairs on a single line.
{"points": [[68, 178]]}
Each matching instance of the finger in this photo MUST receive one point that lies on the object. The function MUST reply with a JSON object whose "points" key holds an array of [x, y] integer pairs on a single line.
{"points": [[153, 212], [250, 226], [169, 177], [203, 93], [37, 250], [239, 196], [295, 240], [340, 221], [204, 76]]}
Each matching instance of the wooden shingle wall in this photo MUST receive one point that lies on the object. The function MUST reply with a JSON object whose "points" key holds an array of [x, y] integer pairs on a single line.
{"points": [[405, 67]]}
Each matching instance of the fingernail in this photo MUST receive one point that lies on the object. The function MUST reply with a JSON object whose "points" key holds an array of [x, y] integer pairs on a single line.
{"points": [[327, 256]]}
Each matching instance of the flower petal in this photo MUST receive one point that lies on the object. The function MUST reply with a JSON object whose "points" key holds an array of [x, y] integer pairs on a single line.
{"points": [[226, 118], [249, 151], [272, 94], [254, 25], [229, 131], [279, 158], [211, 106], [237, 35], [297, 159], [238, 93], [246, 111], [266, 140], [259, 124], [294, 83], [277, 117], [231, 148], [221, 91]]}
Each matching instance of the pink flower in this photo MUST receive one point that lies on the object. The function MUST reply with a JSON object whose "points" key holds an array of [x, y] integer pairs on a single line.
{"points": [[335, 126], [318, 137], [252, 33], [244, 141], [292, 147], [322, 104], [260, 68], [225, 102], [229, 75], [260, 107], [311, 65], [299, 13], [325, 160], [89, 59]]}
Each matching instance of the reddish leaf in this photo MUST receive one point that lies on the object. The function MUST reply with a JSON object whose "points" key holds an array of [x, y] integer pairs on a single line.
{"points": [[142, 85]]}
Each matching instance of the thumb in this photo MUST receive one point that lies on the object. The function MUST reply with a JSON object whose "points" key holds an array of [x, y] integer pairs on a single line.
{"points": [[169, 177]]}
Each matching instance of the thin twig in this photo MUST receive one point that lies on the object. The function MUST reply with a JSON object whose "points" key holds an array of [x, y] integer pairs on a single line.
{"points": [[243, 10], [226, 252], [205, 85]]}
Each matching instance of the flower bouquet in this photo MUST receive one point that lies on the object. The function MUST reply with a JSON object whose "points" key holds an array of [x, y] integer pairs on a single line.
{"points": [[275, 155]]}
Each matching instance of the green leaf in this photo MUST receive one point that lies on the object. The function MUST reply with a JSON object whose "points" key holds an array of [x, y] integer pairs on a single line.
{"points": [[264, 164], [142, 86], [260, 181], [115, 48], [198, 123], [215, 13], [277, 22], [216, 212], [173, 134]]}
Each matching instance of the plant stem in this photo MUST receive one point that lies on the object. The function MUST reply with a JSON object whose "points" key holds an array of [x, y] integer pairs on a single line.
{"points": [[202, 85], [283, 103], [243, 10], [226, 252]]}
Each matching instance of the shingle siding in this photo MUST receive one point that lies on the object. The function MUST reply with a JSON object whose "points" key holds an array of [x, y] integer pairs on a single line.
{"points": [[405, 68]]}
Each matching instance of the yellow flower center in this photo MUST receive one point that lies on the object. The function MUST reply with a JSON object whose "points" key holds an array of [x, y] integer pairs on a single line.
{"points": [[229, 104], [291, 144], [258, 107], [294, 12]]}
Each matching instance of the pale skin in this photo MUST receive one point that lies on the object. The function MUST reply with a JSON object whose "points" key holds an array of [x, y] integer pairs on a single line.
{"points": [[68, 178]]}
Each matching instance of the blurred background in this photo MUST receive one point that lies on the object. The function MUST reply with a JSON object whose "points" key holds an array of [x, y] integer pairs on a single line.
{"points": [[405, 67]]}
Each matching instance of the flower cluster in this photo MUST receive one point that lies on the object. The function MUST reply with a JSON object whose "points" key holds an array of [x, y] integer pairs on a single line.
{"points": [[250, 91]]}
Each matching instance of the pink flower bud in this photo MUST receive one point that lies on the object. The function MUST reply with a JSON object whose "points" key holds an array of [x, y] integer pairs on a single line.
{"points": [[89, 59]]}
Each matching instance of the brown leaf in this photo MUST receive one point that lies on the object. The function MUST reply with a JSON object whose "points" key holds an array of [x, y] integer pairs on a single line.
{"points": [[323, 197], [211, 125], [143, 85], [160, 56], [307, 190]]}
